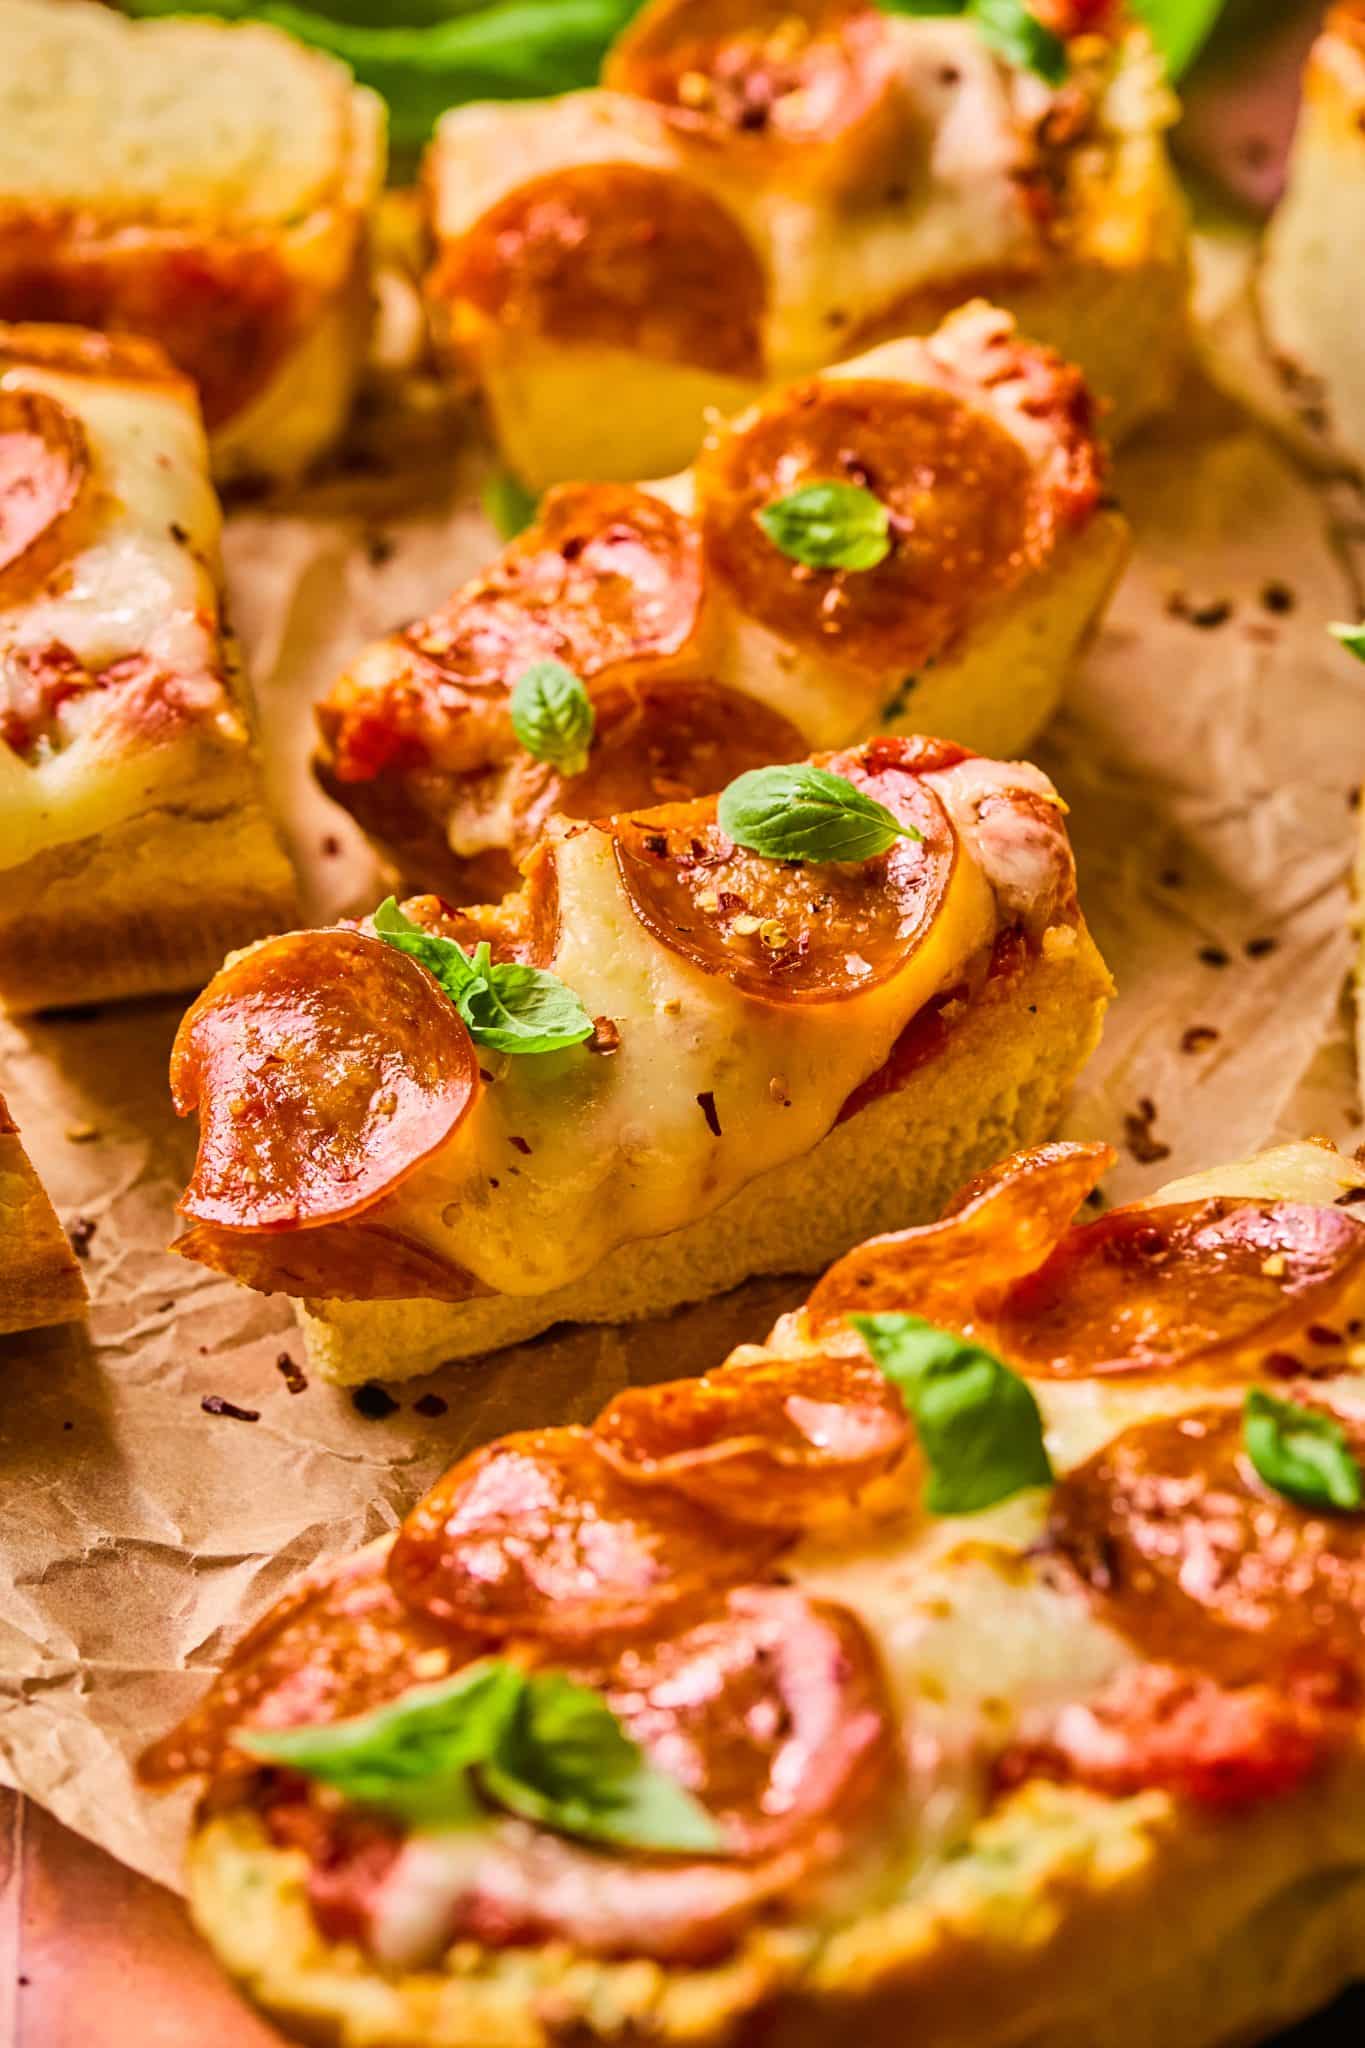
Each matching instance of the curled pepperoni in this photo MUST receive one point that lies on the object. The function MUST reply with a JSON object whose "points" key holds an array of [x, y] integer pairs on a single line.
{"points": [[325, 1067], [619, 254], [656, 741], [787, 931], [44, 473], [968, 519], [772, 1442], [537, 1536], [339, 1643], [788, 76], [358, 1260], [1001, 1226], [1186, 1551], [1141, 1290], [609, 575]]}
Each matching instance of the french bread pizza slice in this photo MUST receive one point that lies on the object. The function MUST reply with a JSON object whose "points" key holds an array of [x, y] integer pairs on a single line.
{"points": [[762, 188], [917, 540], [203, 183], [705, 1040], [40, 1277], [977, 1661], [135, 846]]}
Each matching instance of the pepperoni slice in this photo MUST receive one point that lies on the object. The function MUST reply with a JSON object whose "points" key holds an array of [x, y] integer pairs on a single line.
{"points": [[325, 1067], [339, 1643], [786, 931], [778, 83], [619, 254], [44, 472], [537, 1536], [610, 575], [772, 1442], [1001, 1226], [353, 1261], [1186, 1551], [968, 519], [1141, 1290], [655, 741]]}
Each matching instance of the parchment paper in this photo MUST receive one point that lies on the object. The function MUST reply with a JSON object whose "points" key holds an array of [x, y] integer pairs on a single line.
{"points": [[1210, 752]]}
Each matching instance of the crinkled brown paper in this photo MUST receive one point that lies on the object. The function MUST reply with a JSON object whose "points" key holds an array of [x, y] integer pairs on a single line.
{"points": [[1210, 770]]}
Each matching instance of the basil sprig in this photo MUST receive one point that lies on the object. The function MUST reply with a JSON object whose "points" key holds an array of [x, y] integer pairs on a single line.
{"points": [[508, 506], [805, 813], [1301, 1452], [829, 526], [506, 1006], [977, 1422], [1352, 638], [534, 1743], [552, 716]]}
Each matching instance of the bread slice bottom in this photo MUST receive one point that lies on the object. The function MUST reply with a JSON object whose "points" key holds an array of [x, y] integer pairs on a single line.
{"points": [[40, 1281], [148, 907], [998, 1084]]}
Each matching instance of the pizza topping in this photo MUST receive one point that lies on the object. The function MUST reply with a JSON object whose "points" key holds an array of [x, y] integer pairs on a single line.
{"points": [[803, 813], [1301, 1452], [829, 526], [767, 1441], [621, 255], [1191, 1555], [44, 472], [326, 1067], [966, 519], [537, 1536], [507, 1005], [552, 715], [1143, 1289], [784, 931], [1002, 1225], [358, 1260]]}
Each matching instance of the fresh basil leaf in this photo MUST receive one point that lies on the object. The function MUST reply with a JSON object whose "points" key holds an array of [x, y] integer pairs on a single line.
{"points": [[552, 716], [805, 813], [1015, 33], [411, 1759], [567, 1763], [829, 526], [536, 1743], [507, 504], [506, 1006], [977, 1422], [1301, 1452], [1352, 638], [1179, 28]]}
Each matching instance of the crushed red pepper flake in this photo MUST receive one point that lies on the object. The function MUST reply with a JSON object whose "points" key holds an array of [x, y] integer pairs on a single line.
{"points": [[79, 1232], [1138, 1134], [519, 1145], [293, 1375], [373, 1402], [1214, 956], [214, 1404], [706, 1102], [430, 1404], [1198, 1037], [1258, 949], [606, 1035]]}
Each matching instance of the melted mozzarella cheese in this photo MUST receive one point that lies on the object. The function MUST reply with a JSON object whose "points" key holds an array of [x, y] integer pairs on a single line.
{"points": [[133, 588]]}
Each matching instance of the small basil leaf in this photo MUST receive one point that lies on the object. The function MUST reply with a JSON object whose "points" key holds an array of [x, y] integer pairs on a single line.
{"points": [[805, 813], [566, 1762], [552, 716], [977, 1422], [1014, 32], [506, 1007], [1179, 28], [508, 506], [1352, 638], [411, 1759], [830, 526], [1301, 1452]]}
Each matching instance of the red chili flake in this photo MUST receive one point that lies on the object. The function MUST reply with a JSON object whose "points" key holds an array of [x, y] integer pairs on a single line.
{"points": [[79, 1231], [1282, 1365], [1214, 956], [1277, 597], [1353, 798], [1198, 1038], [706, 1102], [1322, 1333], [178, 534], [373, 1401], [331, 845], [294, 1377], [520, 1145], [430, 1404], [606, 1035], [1257, 949], [379, 549], [214, 1404], [654, 842], [1348, 1200], [1171, 878], [1138, 1136]]}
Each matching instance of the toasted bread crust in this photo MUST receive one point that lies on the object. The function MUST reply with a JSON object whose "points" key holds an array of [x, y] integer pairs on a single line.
{"points": [[40, 1279]]}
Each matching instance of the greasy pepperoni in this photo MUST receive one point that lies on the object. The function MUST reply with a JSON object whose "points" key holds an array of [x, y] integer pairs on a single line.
{"points": [[655, 742], [609, 575], [773, 1441], [1002, 1225], [1145, 1289], [358, 1260], [618, 254], [968, 519], [1186, 1551], [784, 931], [537, 1536], [325, 1066], [339, 1643], [788, 76], [44, 469]]}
